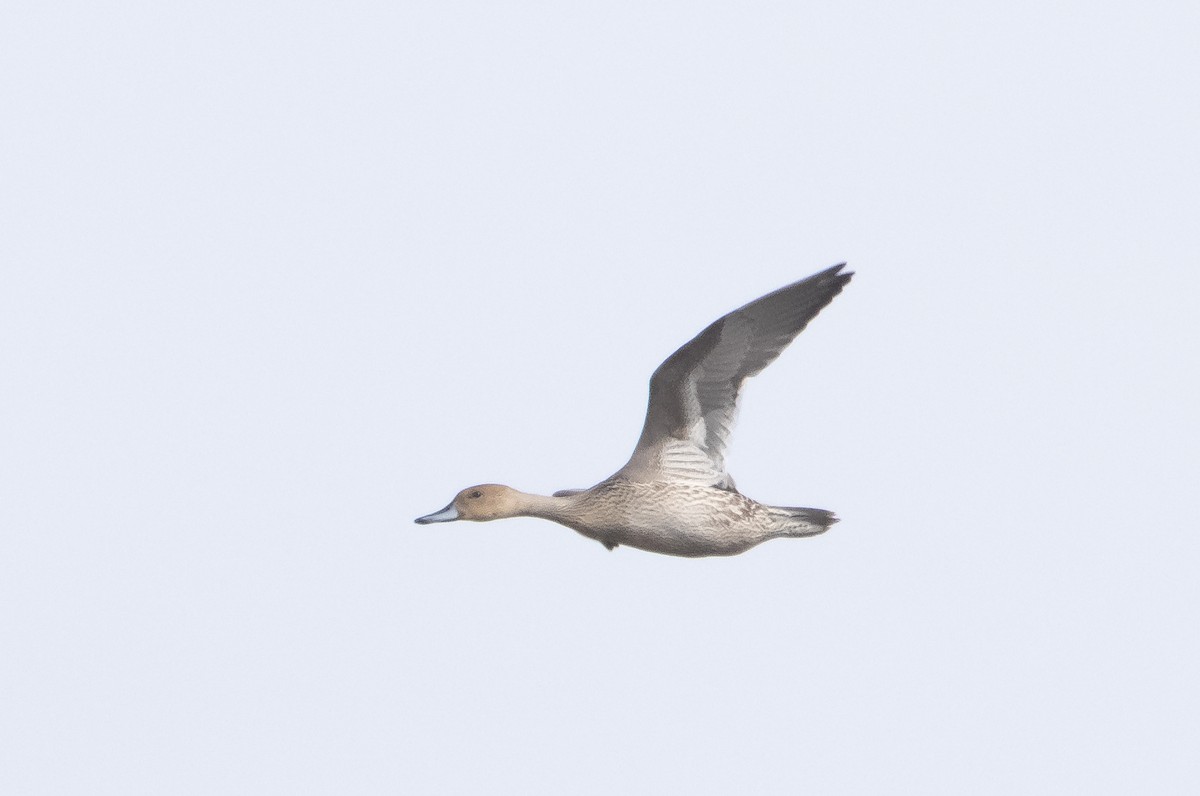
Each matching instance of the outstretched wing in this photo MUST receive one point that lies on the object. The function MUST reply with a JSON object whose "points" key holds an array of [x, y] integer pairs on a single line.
{"points": [[693, 394]]}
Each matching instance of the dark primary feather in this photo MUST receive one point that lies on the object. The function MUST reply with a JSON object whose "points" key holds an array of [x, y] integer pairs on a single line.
{"points": [[693, 394]]}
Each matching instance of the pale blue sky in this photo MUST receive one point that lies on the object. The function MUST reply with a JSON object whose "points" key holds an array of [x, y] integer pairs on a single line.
{"points": [[278, 278]]}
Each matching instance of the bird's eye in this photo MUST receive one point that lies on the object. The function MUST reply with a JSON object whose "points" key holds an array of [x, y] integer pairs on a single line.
{"points": [[476, 494]]}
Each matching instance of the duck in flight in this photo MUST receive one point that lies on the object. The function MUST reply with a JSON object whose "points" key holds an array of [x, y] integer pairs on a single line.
{"points": [[674, 495]]}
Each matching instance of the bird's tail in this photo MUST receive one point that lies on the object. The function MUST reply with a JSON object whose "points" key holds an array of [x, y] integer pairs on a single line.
{"points": [[801, 522]]}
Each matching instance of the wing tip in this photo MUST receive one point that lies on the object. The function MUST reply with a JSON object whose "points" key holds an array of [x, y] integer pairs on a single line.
{"points": [[836, 270]]}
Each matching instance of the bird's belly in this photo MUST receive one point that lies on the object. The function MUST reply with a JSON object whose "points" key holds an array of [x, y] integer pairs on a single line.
{"points": [[675, 519], [675, 537]]}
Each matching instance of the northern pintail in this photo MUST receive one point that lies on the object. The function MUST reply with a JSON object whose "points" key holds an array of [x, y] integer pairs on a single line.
{"points": [[674, 496]]}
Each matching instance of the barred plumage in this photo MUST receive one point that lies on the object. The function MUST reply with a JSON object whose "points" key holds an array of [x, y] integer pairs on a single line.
{"points": [[674, 495]]}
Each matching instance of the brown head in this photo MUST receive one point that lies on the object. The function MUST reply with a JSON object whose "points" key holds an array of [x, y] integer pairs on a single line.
{"points": [[479, 503]]}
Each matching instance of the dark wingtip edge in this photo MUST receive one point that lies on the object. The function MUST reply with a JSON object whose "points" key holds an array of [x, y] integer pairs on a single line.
{"points": [[837, 269]]}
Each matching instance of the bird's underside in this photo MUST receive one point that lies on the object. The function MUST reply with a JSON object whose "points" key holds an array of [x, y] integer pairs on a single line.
{"points": [[674, 495]]}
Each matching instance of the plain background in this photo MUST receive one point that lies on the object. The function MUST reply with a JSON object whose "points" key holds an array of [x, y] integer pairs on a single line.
{"points": [[279, 277]]}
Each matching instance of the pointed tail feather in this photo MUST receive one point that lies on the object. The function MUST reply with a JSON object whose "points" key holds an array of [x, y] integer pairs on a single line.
{"points": [[801, 521]]}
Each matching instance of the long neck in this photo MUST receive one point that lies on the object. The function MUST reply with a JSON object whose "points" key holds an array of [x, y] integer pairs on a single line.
{"points": [[547, 507]]}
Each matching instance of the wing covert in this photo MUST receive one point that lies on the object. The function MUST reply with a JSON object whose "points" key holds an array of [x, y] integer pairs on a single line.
{"points": [[694, 392]]}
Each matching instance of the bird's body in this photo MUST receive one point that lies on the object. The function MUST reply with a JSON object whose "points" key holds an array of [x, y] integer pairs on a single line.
{"points": [[681, 519], [674, 495]]}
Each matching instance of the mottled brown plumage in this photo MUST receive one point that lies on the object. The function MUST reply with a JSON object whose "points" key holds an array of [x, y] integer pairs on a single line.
{"points": [[674, 495]]}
